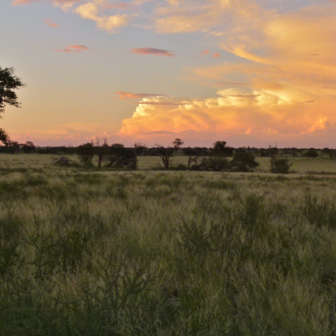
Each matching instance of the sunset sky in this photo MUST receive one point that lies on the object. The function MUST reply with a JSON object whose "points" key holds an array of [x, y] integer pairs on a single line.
{"points": [[251, 72]]}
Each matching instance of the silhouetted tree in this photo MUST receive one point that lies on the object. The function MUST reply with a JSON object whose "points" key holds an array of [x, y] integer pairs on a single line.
{"points": [[13, 147], [167, 154], [8, 83], [138, 149], [193, 154], [28, 147], [4, 137], [220, 149], [85, 153], [101, 149]]}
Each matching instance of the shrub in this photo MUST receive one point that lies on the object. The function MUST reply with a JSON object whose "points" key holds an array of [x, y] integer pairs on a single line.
{"points": [[213, 164], [243, 162], [311, 153], [280, 166]]}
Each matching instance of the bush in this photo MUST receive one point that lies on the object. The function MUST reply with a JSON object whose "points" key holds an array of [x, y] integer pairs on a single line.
{"points": [[280, 166], [213, 164], [311, 153], [243, 162]]}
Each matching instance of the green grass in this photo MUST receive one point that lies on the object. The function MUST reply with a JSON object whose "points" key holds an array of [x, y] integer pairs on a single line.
{"points": [[165, 253]]}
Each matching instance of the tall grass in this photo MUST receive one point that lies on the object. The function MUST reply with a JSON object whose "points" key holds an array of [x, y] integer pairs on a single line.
{"points": [[176, 253]]}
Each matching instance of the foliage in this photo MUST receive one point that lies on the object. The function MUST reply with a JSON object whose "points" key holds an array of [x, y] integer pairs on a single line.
{"points": [[214, 164], [166, 154], [28, 147], [243, 162], [86, 153], [8, 83], [311, 153], [220, 149], [279, 165]]}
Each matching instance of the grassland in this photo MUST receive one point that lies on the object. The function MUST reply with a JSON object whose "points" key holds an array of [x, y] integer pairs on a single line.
{"points": [[166, 253]]}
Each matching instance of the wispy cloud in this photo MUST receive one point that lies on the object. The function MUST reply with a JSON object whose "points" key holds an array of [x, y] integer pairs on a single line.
{"points": [[122, 6], [153, 51], [216, 55], [77, 48], [129, 95], [51, 23], [56, 2], [204, 52]]}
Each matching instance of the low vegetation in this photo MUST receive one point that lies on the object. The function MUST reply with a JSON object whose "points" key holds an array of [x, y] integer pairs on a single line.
{"points": [[166, 253]]}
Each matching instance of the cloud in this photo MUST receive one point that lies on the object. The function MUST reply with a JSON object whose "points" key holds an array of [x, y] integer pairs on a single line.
{"points": [[152, 51], [51, 23], [56, 2], [94, 11], [129, 95], [229, 83], [216, 55], [77, 48], [123, 6], [204, 52]]}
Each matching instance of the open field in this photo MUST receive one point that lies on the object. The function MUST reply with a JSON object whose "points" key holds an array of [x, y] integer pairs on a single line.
{"points": [[166, 253], [37, 161]]}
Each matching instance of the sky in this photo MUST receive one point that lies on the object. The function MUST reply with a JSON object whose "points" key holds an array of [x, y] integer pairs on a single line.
{"points": [[249, 72]]}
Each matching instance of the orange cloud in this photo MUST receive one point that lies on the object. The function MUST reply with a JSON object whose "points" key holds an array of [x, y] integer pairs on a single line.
{"points": [[204, 52], [27, 2], [152, 51], [77, 48], [129, 95], [216, 55], [51, 23], [122, 5]]}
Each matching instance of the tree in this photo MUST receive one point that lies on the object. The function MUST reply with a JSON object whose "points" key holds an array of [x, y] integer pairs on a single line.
{"points": [[8, 83], [243, 161], [220, 149], [167, 154], [28, 147], [4, 137], [101, 149], [85, 153], [193, 155], [138, 149]]}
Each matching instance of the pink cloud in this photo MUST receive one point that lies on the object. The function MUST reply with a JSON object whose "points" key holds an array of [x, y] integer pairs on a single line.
{"points": [[204, 52], [217, 55], [129, 95], [122, 5], [27, 2], [77, 48], [51, 23], [152, 51]]}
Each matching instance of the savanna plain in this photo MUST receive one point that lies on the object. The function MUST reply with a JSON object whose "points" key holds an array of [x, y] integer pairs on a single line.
{"points": [[100, 252]]}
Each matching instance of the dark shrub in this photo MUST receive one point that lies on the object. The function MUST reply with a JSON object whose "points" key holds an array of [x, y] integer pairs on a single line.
{"points": [[214, 164], [280, 166], [311, 153], [243, 162]]}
